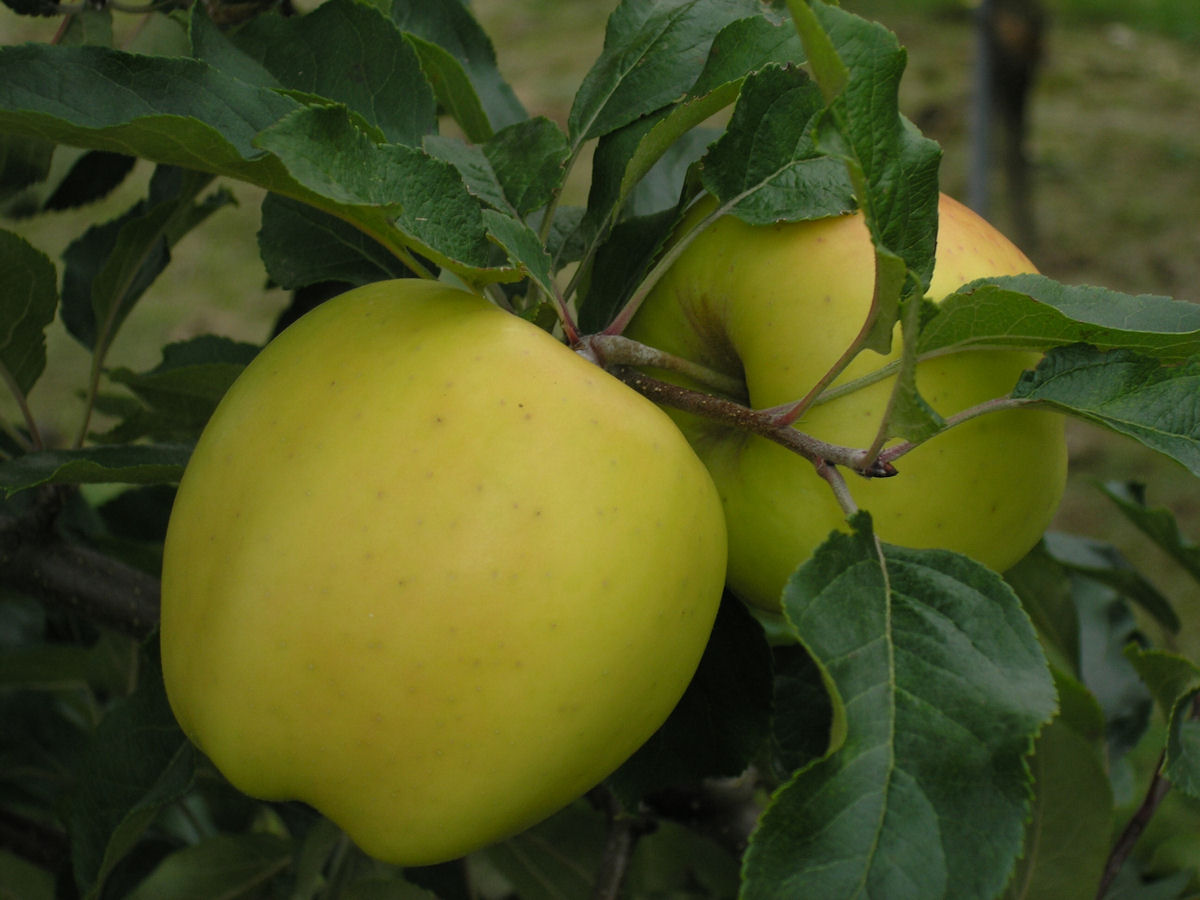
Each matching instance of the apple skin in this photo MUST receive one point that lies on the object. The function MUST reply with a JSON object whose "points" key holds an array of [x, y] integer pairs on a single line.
{"points": [[775, 306], [433, 573]]}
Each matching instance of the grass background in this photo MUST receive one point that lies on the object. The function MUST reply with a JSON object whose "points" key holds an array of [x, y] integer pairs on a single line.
{"points": [[1115, 143]]}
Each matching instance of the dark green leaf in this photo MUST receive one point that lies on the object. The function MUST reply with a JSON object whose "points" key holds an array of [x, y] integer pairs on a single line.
{"points": [[165, 109], [453, 89], [767, 167], [182, 112], [803, 712], [33, 7], [620, 265], [1137, 396], [24, 161], [554, 860], [112, 265], [351, 53], [425, 195], [1158, 524], [93, 176], [301, 245], [1045, 591], [653, 54], [941, 687], [28, 299], [1068, 837], [1104, 563], [1106, 627], [1175, 683], [385, 889], [225, 865], [448, 24], [104, 666], [136, 763], [676, 863], [722, 720], [213, 46], [523, 248], [1036, 312], [528, 159], [625, 157], [181, 393], [134, 464]]}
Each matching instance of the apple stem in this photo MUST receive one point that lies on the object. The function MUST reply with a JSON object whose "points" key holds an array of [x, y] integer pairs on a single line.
{"points": [[616, 350], [763, 423], [837, 483]]}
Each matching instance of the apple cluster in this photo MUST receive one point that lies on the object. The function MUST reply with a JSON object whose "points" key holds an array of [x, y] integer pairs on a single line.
{"points": [[434, 573]]}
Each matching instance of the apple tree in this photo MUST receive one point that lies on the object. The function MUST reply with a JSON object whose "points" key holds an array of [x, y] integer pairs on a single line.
{"points": [[896, 721]]}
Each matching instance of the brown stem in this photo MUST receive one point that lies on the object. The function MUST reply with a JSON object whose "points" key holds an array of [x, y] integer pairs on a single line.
{"points": [[624, 831], [759, 422], [39, 562], [1159, 786]]}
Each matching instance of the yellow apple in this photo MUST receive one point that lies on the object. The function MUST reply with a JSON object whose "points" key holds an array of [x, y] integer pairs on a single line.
{"points": [[774, 307], [433, 573]]}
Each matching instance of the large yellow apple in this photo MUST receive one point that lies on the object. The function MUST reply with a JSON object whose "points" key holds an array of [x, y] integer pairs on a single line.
{"points": [[775, 306], [433, 573]]}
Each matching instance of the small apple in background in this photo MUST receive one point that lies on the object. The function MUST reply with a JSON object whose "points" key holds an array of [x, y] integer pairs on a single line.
{"points": [[775, 306], [433, 573]]}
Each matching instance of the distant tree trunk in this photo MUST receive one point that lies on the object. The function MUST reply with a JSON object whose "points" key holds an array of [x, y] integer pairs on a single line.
{"points": [[1010, 54]]}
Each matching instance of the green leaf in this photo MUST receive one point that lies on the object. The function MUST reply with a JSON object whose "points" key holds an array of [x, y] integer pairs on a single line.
{"points": [[517, 171], [183, 112], [941, 689], [766, 167], [1134, 395], [528, 159], [130, 464], [28, 300], [721, 721], [104, 666], [182, 391], [453, 89], [1175, 683], [1105, 564], [626, 156], [112, 265], [1106, 628], [224, 865], [1070, 829], [385, 889], [93, 176], [1044, 587], [803, 710], [425, 196], [1035, 312], [653, 54], [448, 24], [1157, 523], [302, 245], [554, 860], [523, 248], [212, 45], [171, 110], [136, 763], [24, 161], [351, 53]]}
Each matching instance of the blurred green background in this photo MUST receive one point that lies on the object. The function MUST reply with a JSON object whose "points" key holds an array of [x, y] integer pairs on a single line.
{"points": [[1114, 142]]}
